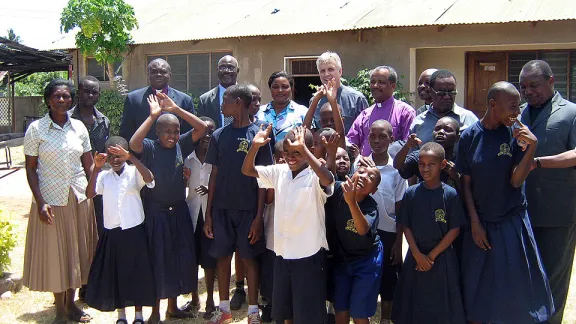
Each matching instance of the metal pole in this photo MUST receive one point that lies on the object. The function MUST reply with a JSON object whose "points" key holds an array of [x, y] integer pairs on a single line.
{"points": [[11, 107]]}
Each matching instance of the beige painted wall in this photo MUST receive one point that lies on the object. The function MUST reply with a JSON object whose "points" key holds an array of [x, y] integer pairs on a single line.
{"points": [[25, 106], [419, 47]]}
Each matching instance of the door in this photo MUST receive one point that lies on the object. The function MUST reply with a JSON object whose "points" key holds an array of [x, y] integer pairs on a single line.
{"points": [[483, 70]]}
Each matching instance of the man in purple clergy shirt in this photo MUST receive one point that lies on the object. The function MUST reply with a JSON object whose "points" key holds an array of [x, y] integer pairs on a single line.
{"points": [[398, 113]]}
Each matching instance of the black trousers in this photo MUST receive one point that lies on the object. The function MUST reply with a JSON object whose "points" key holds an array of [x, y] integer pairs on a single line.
{"points": [[556, 246], [99, 212]]}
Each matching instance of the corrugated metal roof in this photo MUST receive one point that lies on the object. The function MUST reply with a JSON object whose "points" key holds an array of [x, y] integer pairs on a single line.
{"points": [[181, 20]]}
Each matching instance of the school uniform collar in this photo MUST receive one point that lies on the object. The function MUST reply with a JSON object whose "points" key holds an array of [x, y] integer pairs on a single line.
{"points": [[302, 173], [75, 113], [380, 167], [194, 157]]}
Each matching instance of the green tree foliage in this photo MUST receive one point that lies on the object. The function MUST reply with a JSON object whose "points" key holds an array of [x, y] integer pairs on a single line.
{"points": [[12, 36], [105, 27], [34, 84], [111, 104], [7, 241]]}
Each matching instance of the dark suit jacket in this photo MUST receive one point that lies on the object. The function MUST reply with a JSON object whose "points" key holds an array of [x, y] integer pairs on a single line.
{"points": [[136, 110], [551, 192], [209, 106]]}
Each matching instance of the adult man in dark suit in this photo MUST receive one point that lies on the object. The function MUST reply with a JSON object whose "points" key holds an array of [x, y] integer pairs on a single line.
{"points": [[136, 108], [210, 101], [550, 192]]}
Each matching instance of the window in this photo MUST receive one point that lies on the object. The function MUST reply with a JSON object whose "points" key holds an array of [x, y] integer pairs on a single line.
{"points": [[98, 71], [194, 73], [302, 66], [562, 63]]}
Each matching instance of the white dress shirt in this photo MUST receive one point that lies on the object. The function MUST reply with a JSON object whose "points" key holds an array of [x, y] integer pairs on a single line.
{"points": [[199, 175], [121, 197], [269, 226], [390, 191], [299, 217]]}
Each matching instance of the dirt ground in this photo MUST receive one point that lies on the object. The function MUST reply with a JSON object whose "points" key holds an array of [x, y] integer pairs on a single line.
{"points": [[36, 307]]}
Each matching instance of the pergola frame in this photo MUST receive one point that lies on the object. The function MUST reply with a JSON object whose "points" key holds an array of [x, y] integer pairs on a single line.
{"points": [[21, 61]]}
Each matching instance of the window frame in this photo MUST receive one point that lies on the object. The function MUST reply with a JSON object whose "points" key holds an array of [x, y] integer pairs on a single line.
{"points": [[86, 72], [288, 60]]}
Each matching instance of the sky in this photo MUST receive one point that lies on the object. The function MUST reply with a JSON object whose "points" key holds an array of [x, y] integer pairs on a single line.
{"points": [[37, 22]]}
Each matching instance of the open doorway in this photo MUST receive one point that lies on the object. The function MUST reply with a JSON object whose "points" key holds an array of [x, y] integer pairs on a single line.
{"points": [[305, 73]]}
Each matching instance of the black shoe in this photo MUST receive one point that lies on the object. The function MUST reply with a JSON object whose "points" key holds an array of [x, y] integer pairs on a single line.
{"points": [[266, 314], [330, 318], [238, 299], [82, 294]]}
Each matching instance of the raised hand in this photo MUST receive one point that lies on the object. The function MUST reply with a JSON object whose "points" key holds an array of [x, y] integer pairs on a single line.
{"points": [[299, 144], [331, 144], [167, 104], [155, 110], [450, 170], [99, 159], [366, 162], [413, 141], [349, 188], [523, 135], [119, 151], [355, 150], [320, 93], [263, 136], [331, 91]]}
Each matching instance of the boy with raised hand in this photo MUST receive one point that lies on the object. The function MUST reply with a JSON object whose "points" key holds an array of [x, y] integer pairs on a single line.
{"points": [[301, 187]]}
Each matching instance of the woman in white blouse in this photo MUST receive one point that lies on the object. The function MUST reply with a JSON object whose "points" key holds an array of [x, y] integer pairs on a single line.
{"points": [[61, 236]]}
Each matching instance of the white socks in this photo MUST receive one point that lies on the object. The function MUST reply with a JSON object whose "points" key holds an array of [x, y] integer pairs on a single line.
{"points": [[122, 313], [252, 309], [139, 316], [224, 306]]}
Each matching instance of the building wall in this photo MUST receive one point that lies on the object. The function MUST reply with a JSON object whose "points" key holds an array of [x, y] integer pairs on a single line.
{"points": [[25, 106], [409, 50]]}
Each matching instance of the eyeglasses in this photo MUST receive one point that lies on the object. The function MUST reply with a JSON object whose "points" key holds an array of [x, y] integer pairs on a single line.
{"points": [[230, 68], [441, 93]]}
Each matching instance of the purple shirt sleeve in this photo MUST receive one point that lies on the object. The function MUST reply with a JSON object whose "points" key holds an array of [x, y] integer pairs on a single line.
{"points": [[356, 130]]}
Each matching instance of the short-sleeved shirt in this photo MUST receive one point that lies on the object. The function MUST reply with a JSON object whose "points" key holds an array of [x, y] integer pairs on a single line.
{"points": [[227, 150], [299, 215], [293, 115], [390, 191], [489, 157], [167, 166], [199, 176], [398, 113], [410, 169], [352, 101], [345, 242], [431, 213], [424, 124], [121, 197], [59, 151], [99, 132]]}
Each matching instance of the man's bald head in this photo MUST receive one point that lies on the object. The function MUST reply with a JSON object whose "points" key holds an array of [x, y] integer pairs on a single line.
{"points": [[228, 70], [501, 87]]}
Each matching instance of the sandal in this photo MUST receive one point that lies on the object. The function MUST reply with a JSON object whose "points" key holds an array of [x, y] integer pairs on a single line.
{"points": [[210, 309], [80, 317], [138, 321], [180, 315]]}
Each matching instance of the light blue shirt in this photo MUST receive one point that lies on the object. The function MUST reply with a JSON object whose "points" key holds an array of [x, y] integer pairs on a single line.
{"points": [[293, 115]]}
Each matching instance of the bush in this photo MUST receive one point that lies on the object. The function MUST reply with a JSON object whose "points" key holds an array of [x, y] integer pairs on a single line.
{"points": [[7, 241], [111, 104]]}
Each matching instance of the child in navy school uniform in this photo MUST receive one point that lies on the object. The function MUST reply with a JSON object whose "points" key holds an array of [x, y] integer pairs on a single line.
{"points": [[431, 215], [301, 187], [503, 276], [234, 216], [198, 173], [388, 196], [352, 221], [168, 222], [121, 271], [446, 133]]}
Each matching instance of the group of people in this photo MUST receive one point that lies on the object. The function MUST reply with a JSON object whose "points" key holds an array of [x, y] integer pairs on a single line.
{"points": [[314, 201]]}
